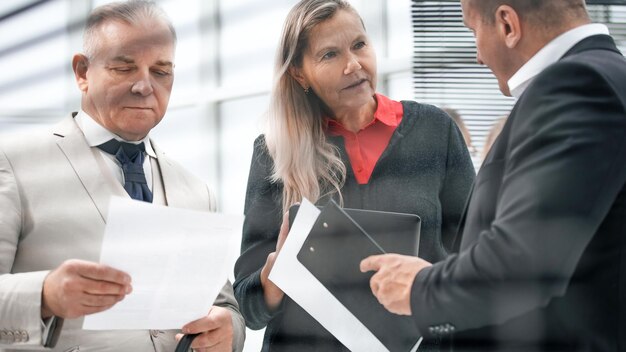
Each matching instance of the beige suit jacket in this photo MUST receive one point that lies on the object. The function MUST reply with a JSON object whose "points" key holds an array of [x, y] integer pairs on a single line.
{"points": [[53, 206]]}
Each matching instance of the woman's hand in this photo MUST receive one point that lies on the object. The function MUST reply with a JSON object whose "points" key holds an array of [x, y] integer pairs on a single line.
{"points": [[274, 295]]}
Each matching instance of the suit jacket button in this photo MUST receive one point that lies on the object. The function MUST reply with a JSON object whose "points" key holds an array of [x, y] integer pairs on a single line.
{"points": [[154, 333]]}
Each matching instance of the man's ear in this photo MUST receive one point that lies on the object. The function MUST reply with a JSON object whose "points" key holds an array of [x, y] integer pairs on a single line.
{"points": [[296, 73], [80, 65], [508, 25]]}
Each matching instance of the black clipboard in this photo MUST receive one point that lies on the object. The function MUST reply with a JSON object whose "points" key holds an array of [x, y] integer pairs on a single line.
{"points": [[333, 252]]}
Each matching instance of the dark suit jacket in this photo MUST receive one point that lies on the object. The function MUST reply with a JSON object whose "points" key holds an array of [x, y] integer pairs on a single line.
{"points": [[542, 262]]}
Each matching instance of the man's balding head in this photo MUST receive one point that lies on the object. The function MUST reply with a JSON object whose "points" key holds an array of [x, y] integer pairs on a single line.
{"points": [[543, 13]]}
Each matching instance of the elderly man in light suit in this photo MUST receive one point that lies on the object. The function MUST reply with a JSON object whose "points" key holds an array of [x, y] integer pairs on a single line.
{"points": [[55, 188]]}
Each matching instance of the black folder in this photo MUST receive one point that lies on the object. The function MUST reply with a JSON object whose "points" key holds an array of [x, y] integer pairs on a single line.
{"points": [[338, 241]]}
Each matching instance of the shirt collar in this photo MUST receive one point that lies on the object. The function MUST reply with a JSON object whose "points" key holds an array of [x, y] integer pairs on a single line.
{"points": [[386, 112], [96, 134], [550, 54]]}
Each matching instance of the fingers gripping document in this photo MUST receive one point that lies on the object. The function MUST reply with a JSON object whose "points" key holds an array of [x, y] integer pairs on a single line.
{"points": [[304, 288], [178, 260]]}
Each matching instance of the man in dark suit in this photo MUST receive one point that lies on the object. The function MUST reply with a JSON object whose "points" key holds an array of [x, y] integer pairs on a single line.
{"points": [[542, 260]]}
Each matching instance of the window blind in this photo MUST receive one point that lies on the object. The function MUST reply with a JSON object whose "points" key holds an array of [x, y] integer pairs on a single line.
{"points": [[444, 68]]}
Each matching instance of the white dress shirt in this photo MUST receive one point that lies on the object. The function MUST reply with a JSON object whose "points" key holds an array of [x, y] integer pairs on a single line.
{"points": [[550, 54], [96, 134]]}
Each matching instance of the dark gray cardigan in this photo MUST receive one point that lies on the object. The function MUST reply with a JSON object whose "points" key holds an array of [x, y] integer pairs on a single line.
{"points": [[425, 170]]}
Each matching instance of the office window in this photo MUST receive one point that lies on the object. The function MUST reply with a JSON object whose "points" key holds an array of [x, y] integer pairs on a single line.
{"points": [[33, 80], [249, 35], [445, 72]]}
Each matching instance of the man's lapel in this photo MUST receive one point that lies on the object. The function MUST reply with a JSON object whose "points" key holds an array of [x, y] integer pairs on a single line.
{"points": [[180, 188], [174, 190], [456, 243], [82, 160]]}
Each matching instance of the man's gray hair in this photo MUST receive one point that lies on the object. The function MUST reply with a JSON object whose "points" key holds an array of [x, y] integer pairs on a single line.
{"points": [[129, 12]]}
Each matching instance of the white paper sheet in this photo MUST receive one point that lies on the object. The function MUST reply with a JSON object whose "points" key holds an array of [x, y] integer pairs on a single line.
{"points": [[178, 260], [302, 287]]}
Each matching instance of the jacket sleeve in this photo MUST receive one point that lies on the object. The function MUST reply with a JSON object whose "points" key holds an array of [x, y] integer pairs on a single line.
{"points": [[564, 169], [20, 294], [260, 232], [457, 184], [226, 299]]}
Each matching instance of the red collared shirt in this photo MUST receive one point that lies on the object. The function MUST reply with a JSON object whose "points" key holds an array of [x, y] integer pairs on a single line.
{"points": [[365, 147]]}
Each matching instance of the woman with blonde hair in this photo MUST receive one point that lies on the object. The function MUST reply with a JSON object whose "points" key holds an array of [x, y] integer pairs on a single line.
{"points": [[330, 135]]}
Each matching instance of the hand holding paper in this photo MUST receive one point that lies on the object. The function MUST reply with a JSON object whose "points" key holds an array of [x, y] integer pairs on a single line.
{"points": [[215, 331], [178, 260], [77, 288]]}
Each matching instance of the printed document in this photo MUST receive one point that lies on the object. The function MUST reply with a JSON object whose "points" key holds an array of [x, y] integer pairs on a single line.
{"points": [[178, 260], [302, 287]]}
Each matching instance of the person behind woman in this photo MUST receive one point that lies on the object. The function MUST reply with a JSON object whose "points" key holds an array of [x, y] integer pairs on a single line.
{"points": [[330, 135], [456, 117], [494, 132]]}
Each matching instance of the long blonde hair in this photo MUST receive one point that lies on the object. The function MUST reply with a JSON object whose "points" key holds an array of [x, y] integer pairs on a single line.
{"points": [[306, 163]]}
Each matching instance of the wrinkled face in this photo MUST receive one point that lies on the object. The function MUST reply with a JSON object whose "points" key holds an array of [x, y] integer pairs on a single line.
{"points": [[489, 49], [128, 81], [339, 64]]}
